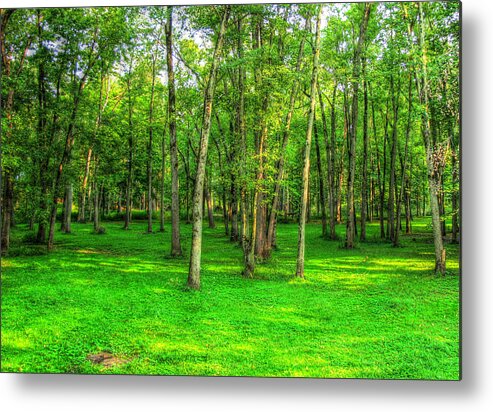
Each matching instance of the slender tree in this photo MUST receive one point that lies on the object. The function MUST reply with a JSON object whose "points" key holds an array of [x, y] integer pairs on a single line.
{"points": [[351, 223], [196, 250], [173, 151], [433, 155], [300, 262]]}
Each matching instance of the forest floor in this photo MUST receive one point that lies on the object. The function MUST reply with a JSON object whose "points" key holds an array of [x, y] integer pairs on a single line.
{"points": [[373, 312]]}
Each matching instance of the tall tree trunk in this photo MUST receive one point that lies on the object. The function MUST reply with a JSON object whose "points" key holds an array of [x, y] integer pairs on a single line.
{"points": [[321, 190], [393, 157], [441, 202], [248, 255], [259, 211], [285, 139], [300, 261], [96, 221], [364, 174], [455, 203], [6, 208], [173, 148], [130, 139], [382, 186], [81, 215], [161, 194], [67, 215], [404, 167], [351, 223], [407, 199], [223, 184], [235, 235], [149, 148], [196, 249], [330, 150], [433, 170]]}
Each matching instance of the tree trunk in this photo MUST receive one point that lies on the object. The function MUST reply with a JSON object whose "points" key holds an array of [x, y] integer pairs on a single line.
{"points": [[7, 208], [393, 157], [455, 203], [81, 216], [351, 223], [285, 139], [300, 261], [173, 148], [96, 224], [321, 199], [67, 216], [130, 138], [404, 167], [433, 178], [161, 194], [235, 236], [196, 248], [382, 186], [248, 258], [259, 205], [330, 150], [364, 174], [149, 148]]}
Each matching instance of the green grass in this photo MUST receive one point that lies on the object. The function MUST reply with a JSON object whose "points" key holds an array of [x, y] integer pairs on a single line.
{"points": [[374, 312]]}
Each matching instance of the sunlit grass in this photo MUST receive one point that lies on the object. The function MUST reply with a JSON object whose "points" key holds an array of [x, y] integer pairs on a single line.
{"points": [[373, 312]]}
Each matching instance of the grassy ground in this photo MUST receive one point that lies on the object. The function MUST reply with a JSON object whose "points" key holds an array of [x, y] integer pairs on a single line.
{"points": [[375, 312]]}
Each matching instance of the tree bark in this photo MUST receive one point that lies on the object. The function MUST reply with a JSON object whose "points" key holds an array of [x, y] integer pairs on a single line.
{"points": [[149, 148], [432, 169], [196, 249], [393, 157], [285, 139], [176, 249], [161, 194], [404, 167], [248, 255], [81, 216], [364, 174], [130, 139], [351, 223], [67, 216], [330, 149], [300, 261], [455, 202], [96, 222], [321, 200]]}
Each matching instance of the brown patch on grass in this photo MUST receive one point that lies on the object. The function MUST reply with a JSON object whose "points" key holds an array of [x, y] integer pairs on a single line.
{"points": [[106, 359]]}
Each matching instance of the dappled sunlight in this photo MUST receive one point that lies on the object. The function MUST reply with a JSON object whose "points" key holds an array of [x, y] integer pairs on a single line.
{"points": [[91, 252], [15, 341], [128, 298]]}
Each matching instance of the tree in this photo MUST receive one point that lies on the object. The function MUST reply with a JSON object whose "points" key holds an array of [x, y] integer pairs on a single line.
{"points": [[351, 223], [175, 203], [196, 250], [300, 262], [434, 154]]}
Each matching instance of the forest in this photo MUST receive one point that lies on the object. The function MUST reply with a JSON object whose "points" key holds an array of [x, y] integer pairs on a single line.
{"points": [[246, 190]]}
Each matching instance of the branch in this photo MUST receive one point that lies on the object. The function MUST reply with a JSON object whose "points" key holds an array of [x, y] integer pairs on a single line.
{"points": [[194, 72]]}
